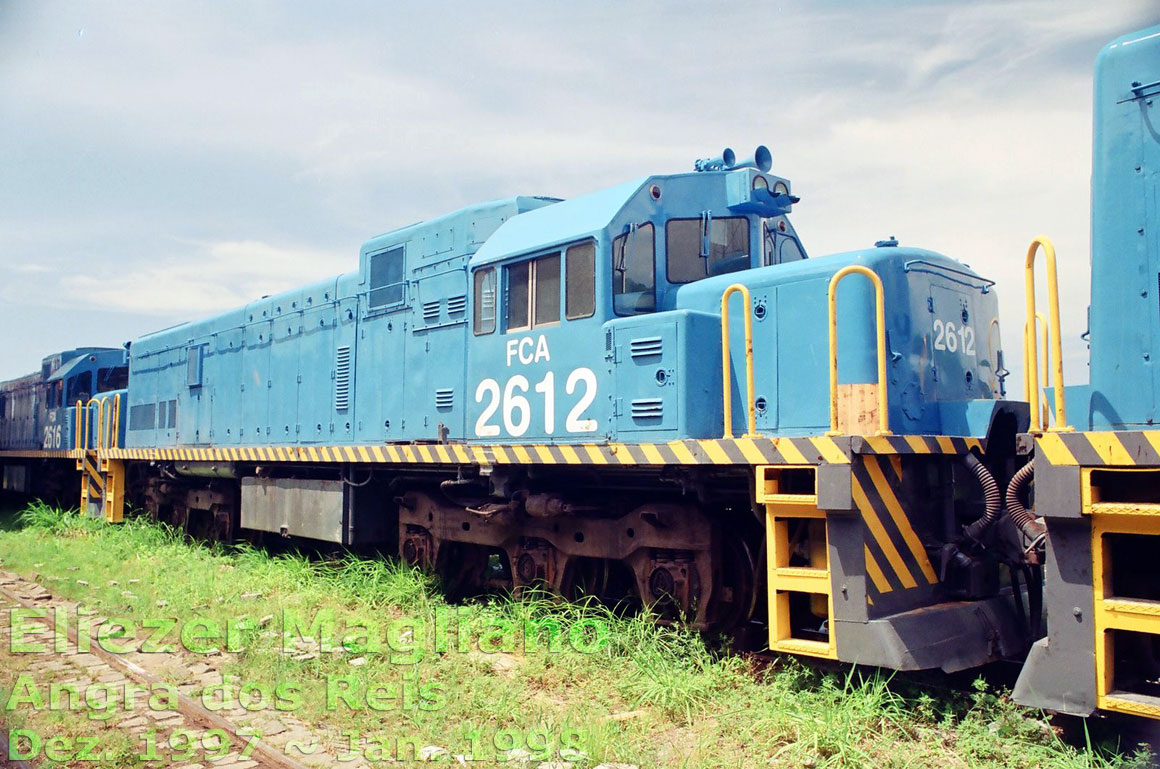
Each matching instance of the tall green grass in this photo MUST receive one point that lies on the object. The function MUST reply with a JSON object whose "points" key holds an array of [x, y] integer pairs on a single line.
{"points": [[683, 701]]}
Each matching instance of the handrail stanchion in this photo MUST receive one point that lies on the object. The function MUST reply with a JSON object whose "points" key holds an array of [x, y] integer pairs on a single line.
{"points": [[97, 438], [116, 420], [727, 387], [880, 325], [88, 420], [77, 427], [1043, 362], [1030, 362], [107, 406]]}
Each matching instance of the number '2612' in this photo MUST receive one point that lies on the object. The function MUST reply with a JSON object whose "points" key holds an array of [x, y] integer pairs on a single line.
{"points": [[516, 409]]}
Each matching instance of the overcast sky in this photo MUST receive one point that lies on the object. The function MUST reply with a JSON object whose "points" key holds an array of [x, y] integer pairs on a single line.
{"points": [[163, 161]]}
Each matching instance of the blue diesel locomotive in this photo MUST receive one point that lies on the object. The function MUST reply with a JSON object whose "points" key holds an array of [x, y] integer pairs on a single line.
{"points": [[650, 394]]}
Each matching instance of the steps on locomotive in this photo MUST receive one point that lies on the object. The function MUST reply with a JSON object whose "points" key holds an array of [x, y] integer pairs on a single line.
{"points": [[801, 607], [1124, 506]]}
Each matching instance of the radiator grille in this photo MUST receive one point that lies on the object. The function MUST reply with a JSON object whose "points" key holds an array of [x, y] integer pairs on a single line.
{"points": [[646, 347], [342, 379], [143, 416], [647, 408]]}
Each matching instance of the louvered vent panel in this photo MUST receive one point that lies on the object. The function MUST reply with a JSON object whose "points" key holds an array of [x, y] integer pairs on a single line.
{"points": [[646, 347], [444, 398], [457, 305], [608, 341], [342, 379], [647, 408], [431, 310]]}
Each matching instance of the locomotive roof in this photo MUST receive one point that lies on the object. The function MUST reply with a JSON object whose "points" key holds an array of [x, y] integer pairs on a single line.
{"points": [[510, 207], [552, 225]]}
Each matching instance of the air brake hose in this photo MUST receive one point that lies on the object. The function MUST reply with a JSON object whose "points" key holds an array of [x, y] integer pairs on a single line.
{"points": [[991, 495], [1023, 519]]}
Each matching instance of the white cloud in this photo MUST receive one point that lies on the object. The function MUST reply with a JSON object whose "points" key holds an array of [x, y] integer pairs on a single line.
{"points": [[215, 277], [204, 155]]}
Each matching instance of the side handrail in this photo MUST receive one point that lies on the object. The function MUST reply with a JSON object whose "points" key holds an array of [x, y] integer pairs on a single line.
{"points": [[99, 429], [116, 421], [880, 326], [107, 420], [99, 435], [1030, 362], [1041, 327], [80, 408], [727, 387]]}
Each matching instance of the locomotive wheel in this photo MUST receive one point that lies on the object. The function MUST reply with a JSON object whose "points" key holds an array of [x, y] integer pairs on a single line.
{"points": [[461, 569], [735, 590], [586, 577]]}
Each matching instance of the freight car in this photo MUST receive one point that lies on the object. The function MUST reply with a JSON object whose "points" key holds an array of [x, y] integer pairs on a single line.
{"points": [[650, 394]]}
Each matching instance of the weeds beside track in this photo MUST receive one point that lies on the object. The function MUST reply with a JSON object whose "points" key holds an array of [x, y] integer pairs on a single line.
{"points": [[649, 695]]}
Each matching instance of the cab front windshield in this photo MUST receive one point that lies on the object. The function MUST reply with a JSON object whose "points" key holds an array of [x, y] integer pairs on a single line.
{"points": [[698, 248]]}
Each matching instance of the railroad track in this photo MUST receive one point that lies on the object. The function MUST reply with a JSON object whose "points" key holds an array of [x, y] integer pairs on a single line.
{"points": [[248, 747]]}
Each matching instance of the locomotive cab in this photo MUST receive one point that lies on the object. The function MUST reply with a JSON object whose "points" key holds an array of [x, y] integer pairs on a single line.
{"points": [[587, 267]]}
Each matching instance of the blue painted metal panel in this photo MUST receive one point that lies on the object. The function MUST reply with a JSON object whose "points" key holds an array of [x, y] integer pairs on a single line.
{"points": [[1125, 313], [795, 325], [666, 385]]}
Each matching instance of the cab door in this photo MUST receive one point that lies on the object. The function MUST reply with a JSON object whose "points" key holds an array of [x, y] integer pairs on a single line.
{"points": [[538, 371]]}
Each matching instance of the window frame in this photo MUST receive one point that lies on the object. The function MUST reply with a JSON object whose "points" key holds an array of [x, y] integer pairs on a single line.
{"points": [[626, 235], [401, 284], [194, 365], [74, 387], [712, 223], [532, 263], [774, 239], [476, 296], [567, 282]]}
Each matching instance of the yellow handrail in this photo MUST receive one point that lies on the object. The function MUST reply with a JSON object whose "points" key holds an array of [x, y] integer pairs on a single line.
{"points": [[99, 436], [116, 420], [106, 405], [77, 427], [727, 387], [99, 431], [1043, 361], [880, 324], [1030, 362]]}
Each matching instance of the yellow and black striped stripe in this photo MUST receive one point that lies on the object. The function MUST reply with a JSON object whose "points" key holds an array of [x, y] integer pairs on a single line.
{"points": [[1096, 449], [895, 556], [38, 454], [809, 450], [92, 476], [738, 451], [915, 444]]}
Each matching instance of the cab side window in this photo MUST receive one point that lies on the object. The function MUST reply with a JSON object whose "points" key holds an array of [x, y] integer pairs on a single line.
{"points": [[580, 281], [533, 293], [634, 271], [386, 278], [114, 378], [80, 387], [483, 320]]}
